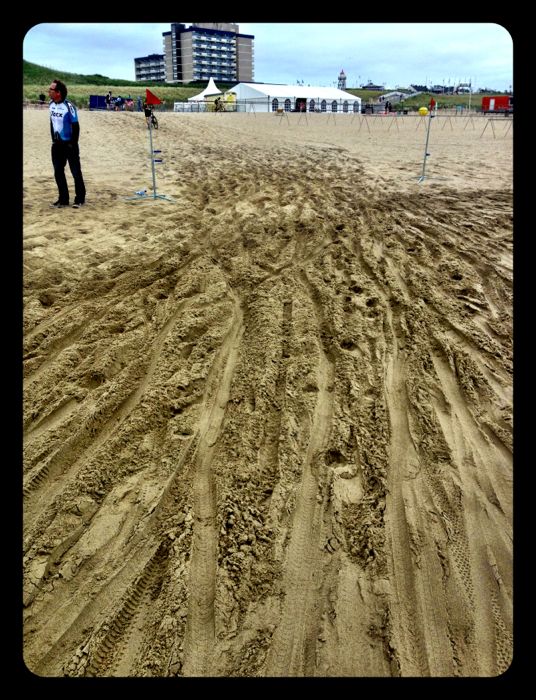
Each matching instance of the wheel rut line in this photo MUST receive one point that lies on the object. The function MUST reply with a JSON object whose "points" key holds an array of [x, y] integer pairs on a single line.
{"points": [[287, 655], [469, 343], [477, 456], [89, 444], [66, 407], [63, 342], [118, 598], [410, 613], [269, 450], [200, 626], [115, 296], [109, 653]]}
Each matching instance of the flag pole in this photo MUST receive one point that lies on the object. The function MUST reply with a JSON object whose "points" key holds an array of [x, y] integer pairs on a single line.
{"points": [[426, 154], [152, 157], [142, 193], [431, 115]]}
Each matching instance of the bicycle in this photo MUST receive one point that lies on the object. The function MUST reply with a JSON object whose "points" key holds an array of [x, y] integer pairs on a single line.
{"points": [[153, 120]]}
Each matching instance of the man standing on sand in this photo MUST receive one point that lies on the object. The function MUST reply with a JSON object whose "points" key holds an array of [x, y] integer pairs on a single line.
{"points": [[65, 131]]}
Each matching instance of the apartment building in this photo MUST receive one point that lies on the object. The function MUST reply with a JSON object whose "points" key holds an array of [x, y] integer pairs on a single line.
{"points": [[150, 67], [205, 50], [199, 52]]}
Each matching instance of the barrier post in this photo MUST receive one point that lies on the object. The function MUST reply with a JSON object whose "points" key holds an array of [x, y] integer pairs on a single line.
{"points": [[426, 154], [142, 194]]}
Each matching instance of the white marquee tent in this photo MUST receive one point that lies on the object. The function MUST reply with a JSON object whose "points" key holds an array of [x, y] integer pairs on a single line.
{"points": [[265, 97]]}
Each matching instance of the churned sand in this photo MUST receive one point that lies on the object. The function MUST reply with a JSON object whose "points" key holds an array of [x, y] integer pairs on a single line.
{"points": [[268, 424]]}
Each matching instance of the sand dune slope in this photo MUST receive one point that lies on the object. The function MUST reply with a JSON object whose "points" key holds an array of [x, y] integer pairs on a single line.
{"points": [[268, 425]]}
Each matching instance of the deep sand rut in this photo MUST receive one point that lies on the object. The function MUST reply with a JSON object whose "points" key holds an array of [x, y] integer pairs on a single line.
{"points": [[268, 427]]}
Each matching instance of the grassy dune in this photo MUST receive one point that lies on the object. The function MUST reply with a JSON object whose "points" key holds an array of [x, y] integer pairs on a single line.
{"points": [[37, 78]]}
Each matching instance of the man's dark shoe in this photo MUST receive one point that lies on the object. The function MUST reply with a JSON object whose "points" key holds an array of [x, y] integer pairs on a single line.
{"points": [[59, 205]]}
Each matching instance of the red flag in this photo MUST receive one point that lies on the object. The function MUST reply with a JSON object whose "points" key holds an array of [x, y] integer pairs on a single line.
{"points": [[151, 99], [432, 103]]}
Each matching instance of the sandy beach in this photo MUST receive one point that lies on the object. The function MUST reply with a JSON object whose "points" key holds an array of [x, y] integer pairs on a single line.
{"points": [[268, 419]]}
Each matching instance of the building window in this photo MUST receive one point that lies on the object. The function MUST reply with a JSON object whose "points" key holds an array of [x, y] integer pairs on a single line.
{"points": [[287, 105], [334, 106], [356, 106], [275, 104], [323, 106], [311, 105], [345, 106]]}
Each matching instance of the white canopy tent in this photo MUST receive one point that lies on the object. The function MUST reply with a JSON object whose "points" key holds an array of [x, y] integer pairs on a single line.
{"points": [[266, 97], [198, 103], [209, 91]]}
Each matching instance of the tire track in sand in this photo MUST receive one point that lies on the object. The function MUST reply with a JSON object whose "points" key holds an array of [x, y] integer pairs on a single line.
{"points": [[484, 562], [294, 639], [49, 480], [200, 627], [407, 620]]}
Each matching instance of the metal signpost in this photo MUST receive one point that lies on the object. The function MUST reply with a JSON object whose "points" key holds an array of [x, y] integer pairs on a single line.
{"points": [[426, 154], [142, 194]]}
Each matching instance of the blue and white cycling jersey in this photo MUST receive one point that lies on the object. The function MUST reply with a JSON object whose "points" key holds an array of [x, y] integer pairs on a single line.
{"points": [[62, 116]]}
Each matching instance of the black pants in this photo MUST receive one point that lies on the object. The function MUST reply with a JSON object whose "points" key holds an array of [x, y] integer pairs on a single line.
{"points": [[64, 152]]}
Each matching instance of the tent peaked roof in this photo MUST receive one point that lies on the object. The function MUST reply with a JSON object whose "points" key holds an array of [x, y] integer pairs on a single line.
{"points": [[210, 89]]}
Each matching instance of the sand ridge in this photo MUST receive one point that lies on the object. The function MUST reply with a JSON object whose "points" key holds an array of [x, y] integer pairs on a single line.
{"points": [[268, 425]]}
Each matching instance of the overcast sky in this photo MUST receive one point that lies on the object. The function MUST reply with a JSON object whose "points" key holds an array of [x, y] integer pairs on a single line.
{"points": [[387, 54]]}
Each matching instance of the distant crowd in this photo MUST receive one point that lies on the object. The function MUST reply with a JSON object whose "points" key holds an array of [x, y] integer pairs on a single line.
{"points": [[120, 104], [114, 104]]}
